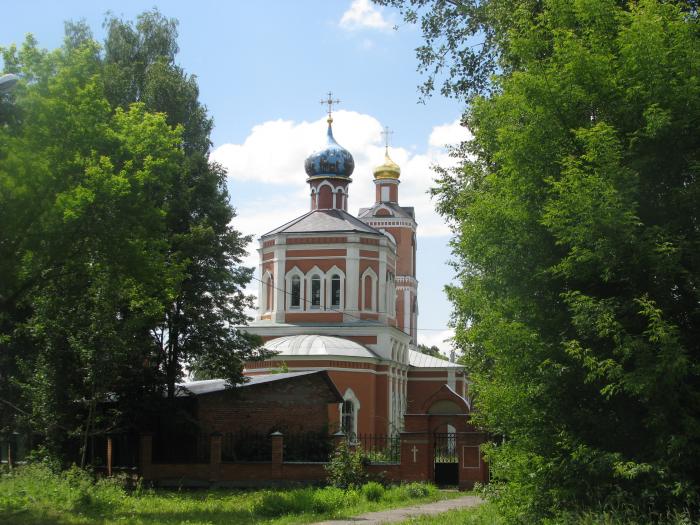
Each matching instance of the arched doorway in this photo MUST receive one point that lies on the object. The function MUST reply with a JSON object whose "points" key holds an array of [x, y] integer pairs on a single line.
{"points": [[445, 454]]}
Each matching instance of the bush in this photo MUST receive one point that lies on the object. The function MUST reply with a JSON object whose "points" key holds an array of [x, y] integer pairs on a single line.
{"points": [[321, 501], [346, 469], [420, 490], [372, 491], [72, 490], [273, 504], [411, 491], [333, 499]]}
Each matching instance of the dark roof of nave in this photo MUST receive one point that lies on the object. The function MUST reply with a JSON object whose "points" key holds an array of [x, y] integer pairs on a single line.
{"points": [[325, 221], [208, 386], [398, 211]]}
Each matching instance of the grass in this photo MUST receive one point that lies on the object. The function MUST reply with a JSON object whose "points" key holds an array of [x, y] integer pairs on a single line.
{"points": [[35, 495], [484, 514], [487, 514]]}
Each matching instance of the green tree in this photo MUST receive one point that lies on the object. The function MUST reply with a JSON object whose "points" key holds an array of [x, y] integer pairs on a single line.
{"points": [[120, 267], [197, 329], [575, 214], [83, 246], [431, 350]]}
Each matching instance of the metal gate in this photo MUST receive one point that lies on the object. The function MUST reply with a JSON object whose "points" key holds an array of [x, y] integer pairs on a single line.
{"points": [[446, 459]]}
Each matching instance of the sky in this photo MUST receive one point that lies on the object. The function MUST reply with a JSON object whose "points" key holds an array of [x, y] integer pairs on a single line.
{"points": [[262, 69]]}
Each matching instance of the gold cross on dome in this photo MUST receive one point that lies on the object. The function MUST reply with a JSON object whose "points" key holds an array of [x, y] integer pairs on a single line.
{"points": [[386, 134], [330, 103]]}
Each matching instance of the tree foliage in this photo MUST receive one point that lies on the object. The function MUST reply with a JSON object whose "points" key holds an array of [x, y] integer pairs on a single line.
{"points": [[119, 267], [431, 350], [577, 243]]}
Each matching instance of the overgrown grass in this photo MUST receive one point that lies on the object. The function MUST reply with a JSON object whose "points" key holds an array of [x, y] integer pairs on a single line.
{"points": [[484, 514], [618, 517], [35, 495], [488, 514]]}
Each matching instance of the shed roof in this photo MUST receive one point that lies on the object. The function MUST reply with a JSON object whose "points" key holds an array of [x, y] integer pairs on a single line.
{"points": [[209, 386]]}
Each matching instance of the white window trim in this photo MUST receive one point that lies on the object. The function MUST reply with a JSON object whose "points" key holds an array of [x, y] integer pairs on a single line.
{"points": [[309, 276], [302, 284], [329, 288], [266, 293], [373, 276], [350, 396]]}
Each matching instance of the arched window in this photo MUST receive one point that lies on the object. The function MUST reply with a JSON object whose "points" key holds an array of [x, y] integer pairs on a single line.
{"points": [[295, 301], [348, 418], [349, 409], [269, 293], [335, 290], [316, 291], [369, 290]]}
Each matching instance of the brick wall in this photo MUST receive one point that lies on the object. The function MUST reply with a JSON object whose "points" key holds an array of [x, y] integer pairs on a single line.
{"points": [[290, 406]]}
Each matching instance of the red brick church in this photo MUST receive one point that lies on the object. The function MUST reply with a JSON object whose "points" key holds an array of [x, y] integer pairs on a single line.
{"points": [[338, 310], [338, 292]]}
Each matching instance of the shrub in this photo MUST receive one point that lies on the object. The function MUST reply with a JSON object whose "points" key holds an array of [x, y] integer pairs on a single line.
{"points": [[275, 504], [372, 491], [420, 490], [346, 469], [73, 490], [320, 501], [332, 499]]}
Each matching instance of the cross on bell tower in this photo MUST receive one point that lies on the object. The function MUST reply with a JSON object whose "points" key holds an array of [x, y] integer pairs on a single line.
{"points": [[330, 102], [386, 133]]}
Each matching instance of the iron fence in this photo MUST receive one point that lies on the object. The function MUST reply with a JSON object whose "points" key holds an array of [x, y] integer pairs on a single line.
{"points": [[307, 446], [246, 446], [378, 448], [181, 448], [125, 450]]}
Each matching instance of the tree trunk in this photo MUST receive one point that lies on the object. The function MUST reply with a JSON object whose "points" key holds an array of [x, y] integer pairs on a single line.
{"points": [[88, 425]]}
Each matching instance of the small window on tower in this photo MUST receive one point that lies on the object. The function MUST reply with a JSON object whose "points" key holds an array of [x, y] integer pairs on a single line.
{"points": [[296, 292], [315, 292], [335, 290], [385, 193]]}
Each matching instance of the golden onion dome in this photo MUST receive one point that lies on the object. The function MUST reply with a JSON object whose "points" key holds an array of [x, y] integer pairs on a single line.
{"points": [[388, 170]]}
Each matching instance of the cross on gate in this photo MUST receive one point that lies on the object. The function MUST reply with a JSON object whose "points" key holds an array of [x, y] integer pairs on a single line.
{"points": [[415, 451]]}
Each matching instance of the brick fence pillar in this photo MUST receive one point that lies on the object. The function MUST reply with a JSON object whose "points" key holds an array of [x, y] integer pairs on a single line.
{"points": [[145, 455], [277, 454], [109, 456], [472, 467], [416, 456]]}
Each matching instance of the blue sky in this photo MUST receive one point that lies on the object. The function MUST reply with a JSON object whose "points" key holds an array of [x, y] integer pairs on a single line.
{"points": [[262, 68]]}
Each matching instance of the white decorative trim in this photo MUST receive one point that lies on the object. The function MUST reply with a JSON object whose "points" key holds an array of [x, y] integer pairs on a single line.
{"points": [[350, 396], [329, 288], [391, 237], [369, 272], [313, 272], [268, 298], [295, 272]]}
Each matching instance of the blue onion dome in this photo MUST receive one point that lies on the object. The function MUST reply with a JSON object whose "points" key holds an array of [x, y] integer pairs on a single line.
{"points": [[333, 160]]}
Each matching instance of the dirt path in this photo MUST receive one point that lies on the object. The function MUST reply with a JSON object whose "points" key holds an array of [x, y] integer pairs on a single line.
{"points": [[404, 513]]}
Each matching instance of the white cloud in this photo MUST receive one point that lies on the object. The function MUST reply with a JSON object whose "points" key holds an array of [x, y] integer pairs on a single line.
{"points": [[449, 135], [272, 157], [363, 15]]}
